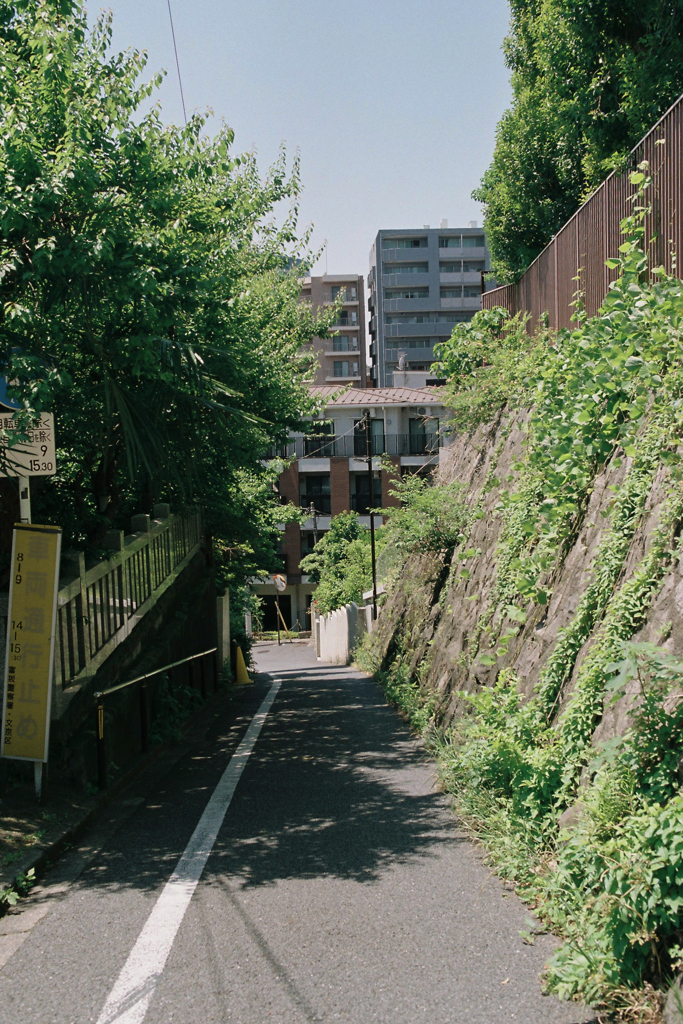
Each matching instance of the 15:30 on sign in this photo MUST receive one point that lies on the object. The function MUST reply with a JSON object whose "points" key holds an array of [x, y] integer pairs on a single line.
{"points": [[34, 457]]}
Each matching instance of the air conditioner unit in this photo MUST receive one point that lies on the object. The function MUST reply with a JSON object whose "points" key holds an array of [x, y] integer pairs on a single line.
{"points": [[422, 411]]}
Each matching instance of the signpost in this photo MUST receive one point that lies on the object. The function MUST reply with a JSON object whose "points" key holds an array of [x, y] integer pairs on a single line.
{"points": [[29, 654], [280, 585], [34, 457], [34, 580]]}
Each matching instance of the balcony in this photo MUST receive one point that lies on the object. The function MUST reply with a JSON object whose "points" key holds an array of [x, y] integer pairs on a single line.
{"points": [[355, 446]]}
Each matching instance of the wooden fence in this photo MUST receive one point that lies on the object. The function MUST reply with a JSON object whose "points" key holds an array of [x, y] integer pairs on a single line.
{"points": [[98, 609], [593, 235]]}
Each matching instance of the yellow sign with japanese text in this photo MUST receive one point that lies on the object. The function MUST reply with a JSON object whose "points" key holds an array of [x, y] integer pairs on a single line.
{"points": [[29, 655]]}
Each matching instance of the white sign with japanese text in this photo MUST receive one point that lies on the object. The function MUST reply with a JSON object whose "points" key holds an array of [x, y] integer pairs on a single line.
{"points": [[35, 457]]}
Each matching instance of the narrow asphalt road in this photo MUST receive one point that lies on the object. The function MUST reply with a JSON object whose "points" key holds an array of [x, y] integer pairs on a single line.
{"points": [[338, 888]]}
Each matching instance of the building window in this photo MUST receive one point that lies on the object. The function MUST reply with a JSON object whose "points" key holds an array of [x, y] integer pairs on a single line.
{"points": [[462, 242], [411, 342], [405, 268], [423, 435], [319, 439], [404, 243], [314, 489], [360, 493], [342, 368], [406, 293], [344, 343], [353, 293], [360, 440], [451, 293], [471, 291], [308, 540], [462, 266]]}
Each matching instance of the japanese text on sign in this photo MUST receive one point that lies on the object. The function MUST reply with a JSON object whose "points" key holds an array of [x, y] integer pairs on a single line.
{"points": [[30, 642], [35, 457]]}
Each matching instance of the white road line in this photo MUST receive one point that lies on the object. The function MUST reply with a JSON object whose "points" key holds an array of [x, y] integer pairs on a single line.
{"points": [[131, 995]]}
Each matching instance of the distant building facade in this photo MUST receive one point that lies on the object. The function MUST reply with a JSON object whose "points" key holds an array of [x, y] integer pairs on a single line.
{"points": [[328, 473], [421, 283], [341, 358]]}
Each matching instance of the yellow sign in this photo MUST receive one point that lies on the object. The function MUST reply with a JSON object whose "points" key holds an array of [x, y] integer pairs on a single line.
{"points": [[30, 642]]}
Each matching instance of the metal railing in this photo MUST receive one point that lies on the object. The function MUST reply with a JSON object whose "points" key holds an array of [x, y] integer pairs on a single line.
{"points": [[350, 446], [98, 609], [593, 235], [102, 759]]}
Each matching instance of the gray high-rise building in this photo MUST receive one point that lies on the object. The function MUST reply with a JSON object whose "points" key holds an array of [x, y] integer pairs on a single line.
{"points": [[421, 283]]}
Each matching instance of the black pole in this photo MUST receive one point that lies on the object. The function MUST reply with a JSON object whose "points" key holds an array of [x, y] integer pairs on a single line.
{"points": [[215, 671], [144, 724], [202, 678], [368, 446], [101, 746], [277, 613]]}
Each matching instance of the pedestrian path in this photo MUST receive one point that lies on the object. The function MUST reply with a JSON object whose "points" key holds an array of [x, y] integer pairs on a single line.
{"points": [[298, 865]]}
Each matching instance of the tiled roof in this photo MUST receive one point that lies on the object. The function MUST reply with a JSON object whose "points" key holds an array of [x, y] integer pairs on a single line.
{"points": [[376, 396]]}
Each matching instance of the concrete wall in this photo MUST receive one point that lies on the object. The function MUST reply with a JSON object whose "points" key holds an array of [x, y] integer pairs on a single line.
{"points": [[337, 634]]}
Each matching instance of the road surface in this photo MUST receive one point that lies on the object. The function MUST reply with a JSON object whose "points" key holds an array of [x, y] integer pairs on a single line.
{"points": [[291, 863]]}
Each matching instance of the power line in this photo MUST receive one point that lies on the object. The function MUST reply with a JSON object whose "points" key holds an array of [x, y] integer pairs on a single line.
{"points": [[177, 62]]}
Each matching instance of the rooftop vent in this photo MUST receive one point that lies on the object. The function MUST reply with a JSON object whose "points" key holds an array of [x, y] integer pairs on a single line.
{"points": [[444, 224], [472, 224]]}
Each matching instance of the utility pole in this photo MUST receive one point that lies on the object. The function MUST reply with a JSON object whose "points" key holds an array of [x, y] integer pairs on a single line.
{"points": [[368, 449]]}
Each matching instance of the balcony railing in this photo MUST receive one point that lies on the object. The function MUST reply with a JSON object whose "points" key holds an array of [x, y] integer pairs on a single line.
{"points": [[355, 446]]}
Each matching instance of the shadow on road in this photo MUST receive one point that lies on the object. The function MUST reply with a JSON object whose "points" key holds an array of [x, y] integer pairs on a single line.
{"points": [[335, 787]]}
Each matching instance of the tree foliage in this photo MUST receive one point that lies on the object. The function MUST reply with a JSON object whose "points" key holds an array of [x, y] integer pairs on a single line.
{"points": [[589, 79], [146, 289], [340, 563]]}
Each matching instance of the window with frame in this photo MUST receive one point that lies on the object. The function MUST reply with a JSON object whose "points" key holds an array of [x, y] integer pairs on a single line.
{"points": [[405, 268], [406, 293], [341, 368], [473, 241], [314, 489], [405, 243]]}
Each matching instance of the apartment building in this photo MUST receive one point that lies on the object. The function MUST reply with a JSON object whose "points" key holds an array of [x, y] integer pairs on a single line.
{"points": [[342, 358], [421, 284], [328, 472]]}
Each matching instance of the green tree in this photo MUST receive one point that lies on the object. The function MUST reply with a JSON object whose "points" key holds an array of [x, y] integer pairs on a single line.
{"points": [[589, 79], [147, 291], [340, 563]]}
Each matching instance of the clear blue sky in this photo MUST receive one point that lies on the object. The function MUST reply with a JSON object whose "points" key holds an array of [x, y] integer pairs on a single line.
{"points": [[392, 104]]}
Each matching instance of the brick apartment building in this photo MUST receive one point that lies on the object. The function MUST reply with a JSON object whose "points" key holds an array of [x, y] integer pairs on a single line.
{"points": [[328, 473], [342, 357]]}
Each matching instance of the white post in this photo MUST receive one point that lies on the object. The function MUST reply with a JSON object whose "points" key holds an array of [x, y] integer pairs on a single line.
{"points": [[25, 517], [24, 499]]}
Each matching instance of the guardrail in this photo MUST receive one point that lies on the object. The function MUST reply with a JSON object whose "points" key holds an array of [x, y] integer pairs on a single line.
{"points": [[102, 760], [327, 446], [98, 609]]}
